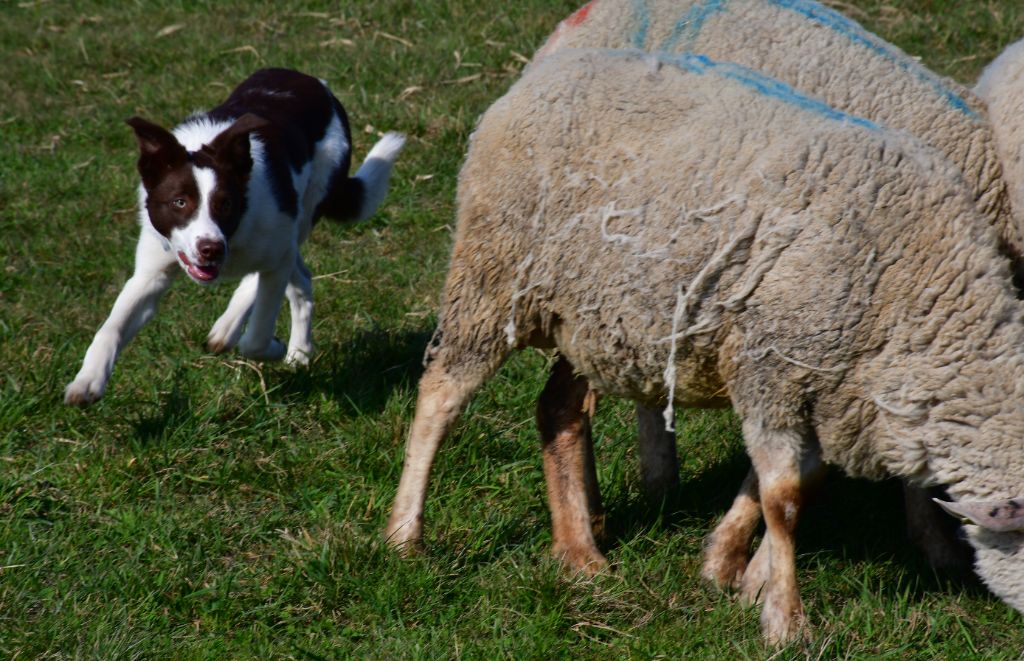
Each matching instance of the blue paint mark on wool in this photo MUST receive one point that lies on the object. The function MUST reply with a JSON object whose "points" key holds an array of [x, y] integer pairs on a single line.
{"points": [[693, 22], [643, 23], [855, 33], [702, 64]]}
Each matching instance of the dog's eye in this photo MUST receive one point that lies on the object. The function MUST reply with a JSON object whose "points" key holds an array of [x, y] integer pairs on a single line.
{"points": [[225, 207], [178, 202]]}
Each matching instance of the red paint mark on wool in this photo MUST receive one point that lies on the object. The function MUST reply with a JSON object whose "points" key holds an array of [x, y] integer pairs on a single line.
{"points": [[577, 17], [580, 15]]}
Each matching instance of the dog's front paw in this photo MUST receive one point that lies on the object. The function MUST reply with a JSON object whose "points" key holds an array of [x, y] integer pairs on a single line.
{"points": [[220, 343], [225, 333], [273, 350], [297, 358], [84, 390], [215, 345]]}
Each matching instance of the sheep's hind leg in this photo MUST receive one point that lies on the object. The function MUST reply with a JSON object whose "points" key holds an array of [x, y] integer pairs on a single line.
{"points": [[563, 417], [443, 393], [659, 463]]}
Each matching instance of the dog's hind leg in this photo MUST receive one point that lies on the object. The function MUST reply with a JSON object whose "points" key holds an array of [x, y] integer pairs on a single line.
{"points": [[258, 341], [228, 328], [135, 305], [300, 299]]}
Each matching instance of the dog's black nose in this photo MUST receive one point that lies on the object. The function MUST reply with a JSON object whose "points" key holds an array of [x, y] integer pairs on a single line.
{"points": [[210, 249]]}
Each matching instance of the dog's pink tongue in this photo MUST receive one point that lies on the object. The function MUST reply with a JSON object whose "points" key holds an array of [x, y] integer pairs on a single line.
{"points": [[204, 272], [208, 272]]}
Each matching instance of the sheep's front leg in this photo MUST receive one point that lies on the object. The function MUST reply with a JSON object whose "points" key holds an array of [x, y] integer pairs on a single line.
{"points": [[728, 549], [563, 417], [933, 531], [777, 457], [659, 463], [727, 561]]}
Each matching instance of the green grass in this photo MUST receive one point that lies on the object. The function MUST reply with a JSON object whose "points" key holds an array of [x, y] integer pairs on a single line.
{"points": [[210, 507]]}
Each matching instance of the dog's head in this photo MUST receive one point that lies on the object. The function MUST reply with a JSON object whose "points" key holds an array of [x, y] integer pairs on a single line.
{"points": [[196, 199]]}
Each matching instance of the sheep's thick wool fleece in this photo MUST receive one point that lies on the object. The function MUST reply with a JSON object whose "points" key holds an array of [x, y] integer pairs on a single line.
{"points": [[1002, 87], [822, 53], [728, 240]]}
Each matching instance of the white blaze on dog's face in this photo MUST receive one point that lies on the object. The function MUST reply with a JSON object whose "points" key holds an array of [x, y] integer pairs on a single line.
{"points": [[196, 199]]}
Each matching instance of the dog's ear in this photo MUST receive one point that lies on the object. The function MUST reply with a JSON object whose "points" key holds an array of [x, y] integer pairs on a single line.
{"points": [[231, 147], [159, 150]]}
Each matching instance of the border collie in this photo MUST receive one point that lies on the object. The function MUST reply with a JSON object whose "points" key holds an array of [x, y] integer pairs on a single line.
{"points": [[233, 193]]}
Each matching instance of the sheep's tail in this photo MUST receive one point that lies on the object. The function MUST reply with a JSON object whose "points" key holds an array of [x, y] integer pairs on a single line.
{"points": [[356, 198]]}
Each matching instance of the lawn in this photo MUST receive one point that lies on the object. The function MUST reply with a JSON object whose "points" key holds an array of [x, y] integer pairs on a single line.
{"points": [[212, 507]]}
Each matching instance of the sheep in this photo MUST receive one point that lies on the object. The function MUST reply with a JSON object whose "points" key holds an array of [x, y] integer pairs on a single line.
{"points": [[824, 54], [685, 229], [1001, 86]]}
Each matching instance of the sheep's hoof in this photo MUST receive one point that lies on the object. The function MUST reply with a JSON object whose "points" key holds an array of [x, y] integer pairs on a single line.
{"points": [[585, 560], [724, 570], [405, 537], [783, 623], [409, 549], [726, 558]]}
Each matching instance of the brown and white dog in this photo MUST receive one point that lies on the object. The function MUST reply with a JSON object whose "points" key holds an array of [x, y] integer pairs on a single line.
{"points": [[232, 193]]}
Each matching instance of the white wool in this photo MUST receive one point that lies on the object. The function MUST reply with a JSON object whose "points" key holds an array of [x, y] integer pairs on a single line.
{"points": [[1001, 85]]}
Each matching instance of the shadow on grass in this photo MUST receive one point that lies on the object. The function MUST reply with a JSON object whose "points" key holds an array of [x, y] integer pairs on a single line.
{"points": [[849, 521], [362, 373], [175, 410]]}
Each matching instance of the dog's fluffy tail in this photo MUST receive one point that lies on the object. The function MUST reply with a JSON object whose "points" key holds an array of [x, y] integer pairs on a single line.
{"points": [[356, 198]]}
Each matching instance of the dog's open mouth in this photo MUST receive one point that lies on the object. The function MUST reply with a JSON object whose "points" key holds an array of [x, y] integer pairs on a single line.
{"points": [[200, 272]]}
